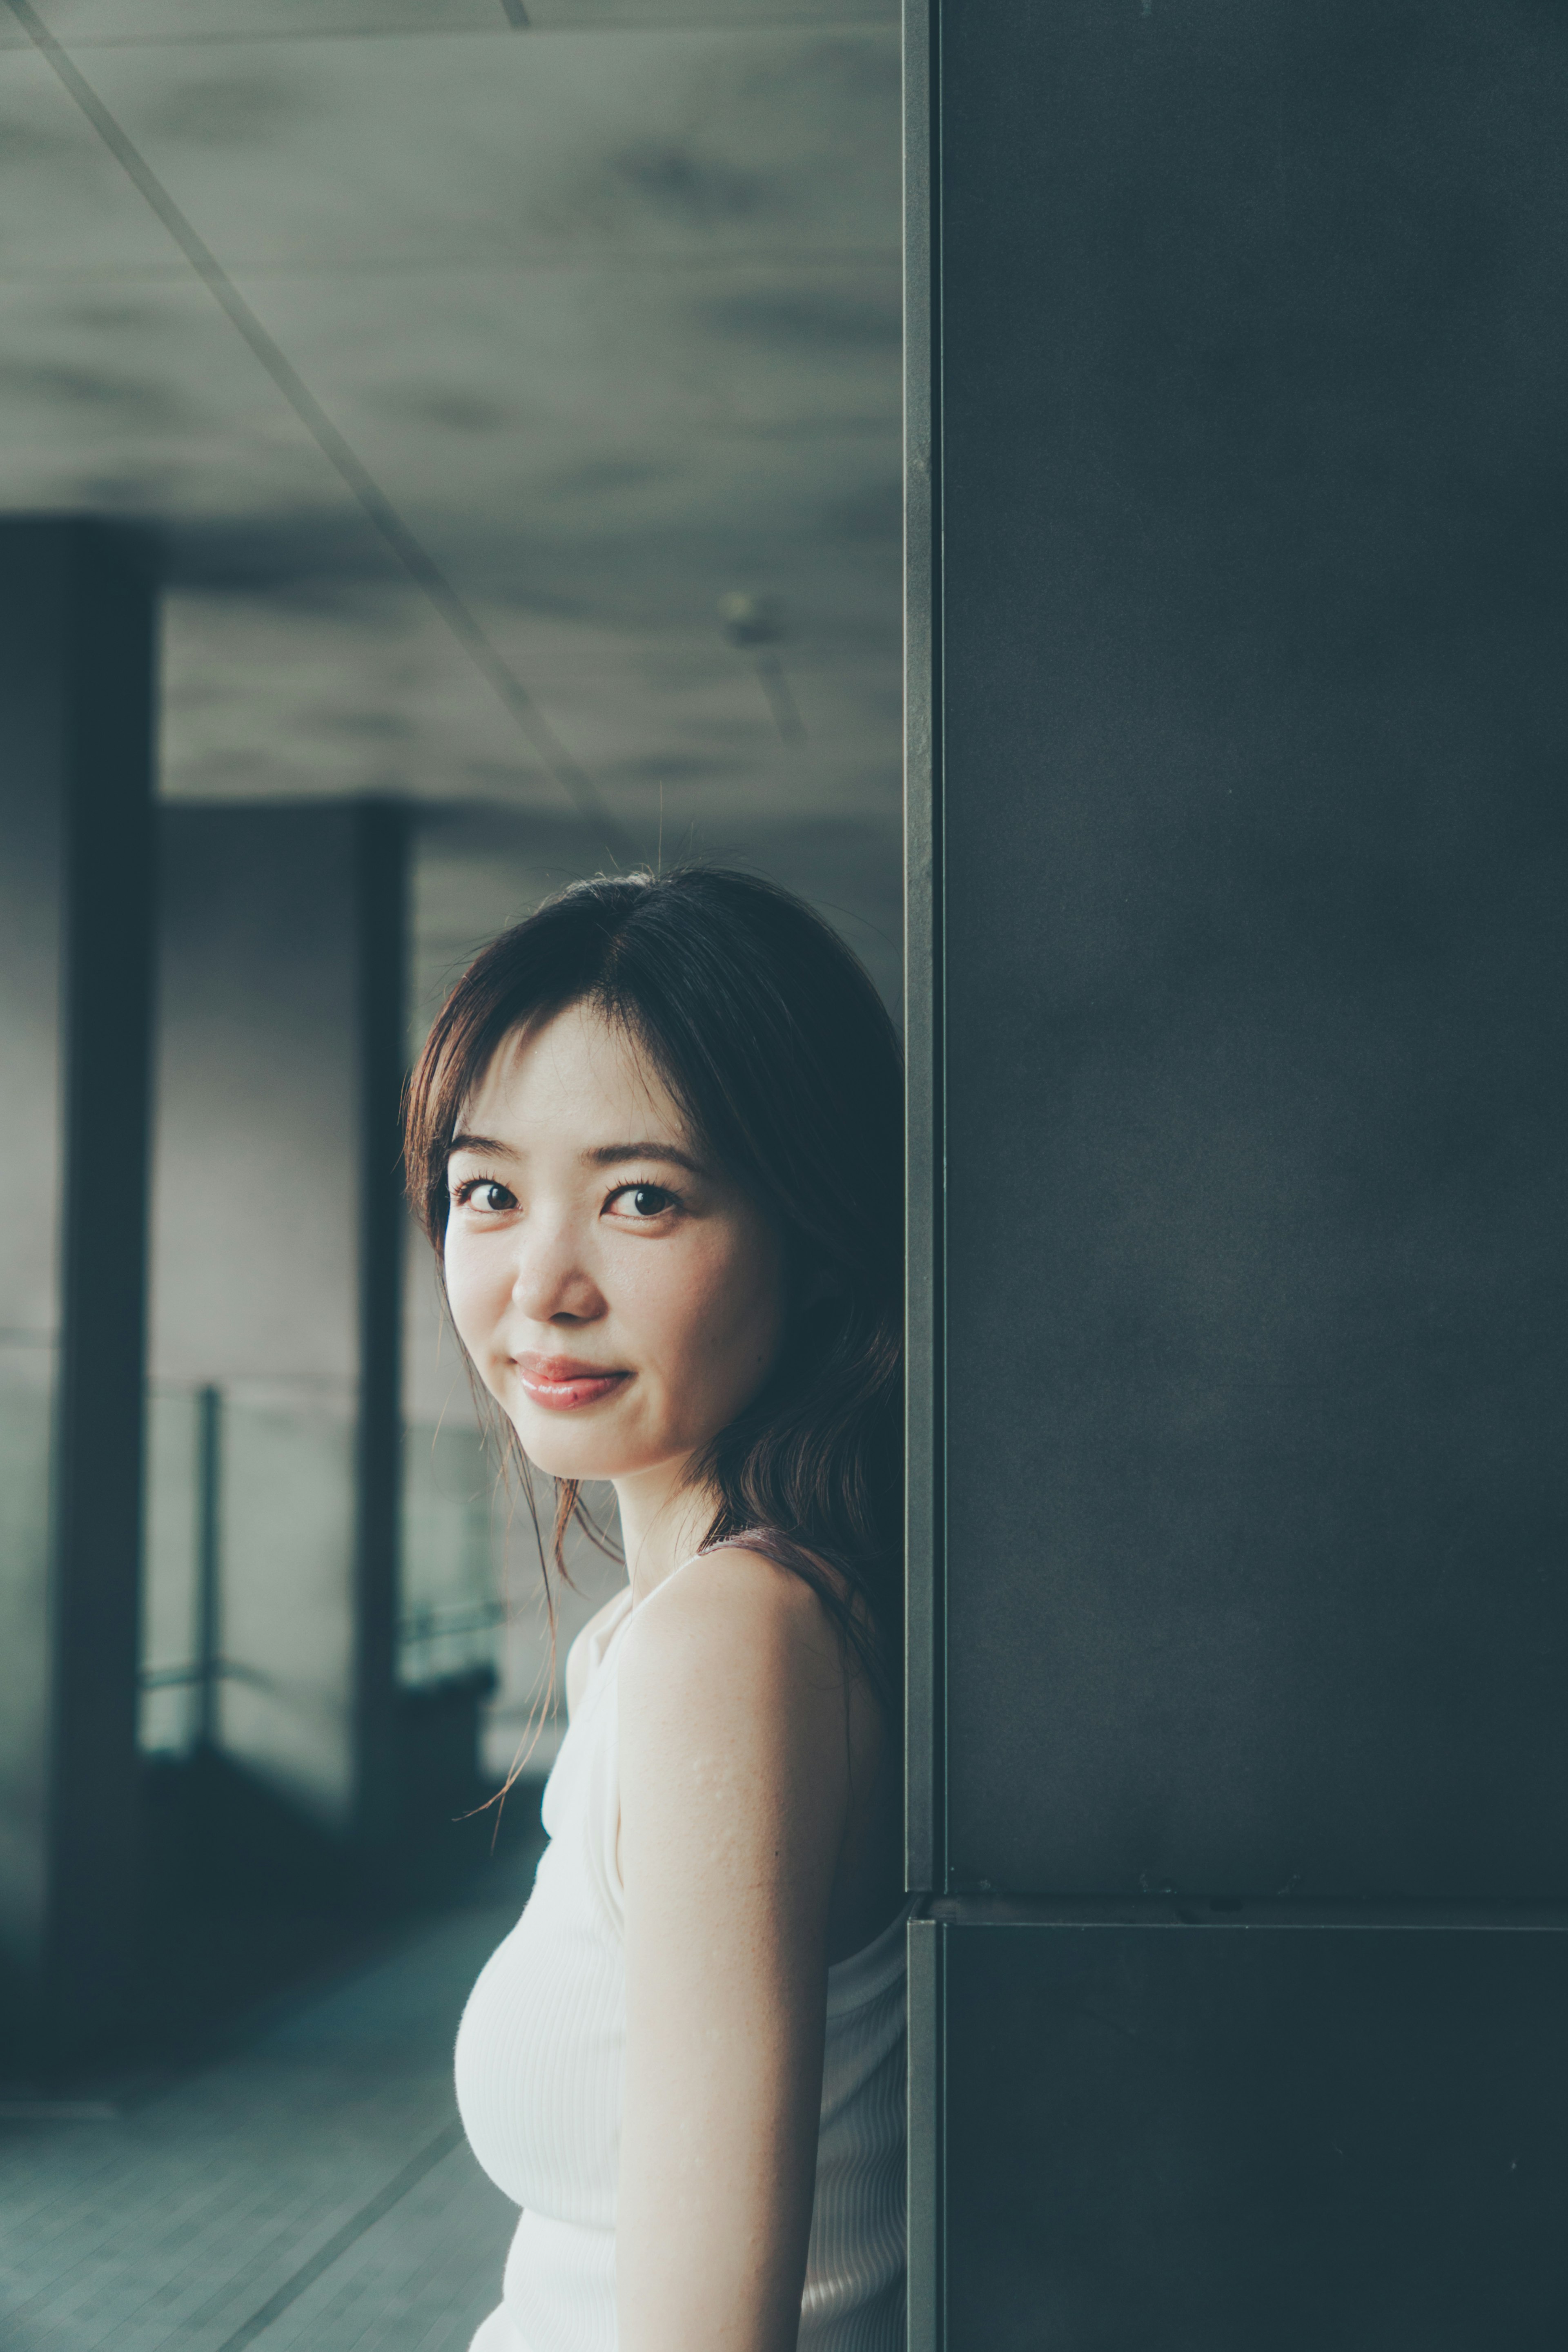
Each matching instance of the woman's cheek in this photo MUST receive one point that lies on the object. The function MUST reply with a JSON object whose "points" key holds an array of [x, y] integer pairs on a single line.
{"points": [[660, 1300], [465, 1296]]}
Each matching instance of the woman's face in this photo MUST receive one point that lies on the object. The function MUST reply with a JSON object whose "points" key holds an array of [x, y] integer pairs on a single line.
{"points": [[622, 1300]]}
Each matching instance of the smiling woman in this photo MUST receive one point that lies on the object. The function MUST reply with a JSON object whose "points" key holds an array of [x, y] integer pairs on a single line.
{"points": [[656, 1137], [552, 1231]]}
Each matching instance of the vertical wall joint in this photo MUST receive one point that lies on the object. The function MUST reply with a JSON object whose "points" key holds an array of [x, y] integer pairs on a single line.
{"points": [[924, 1801]]}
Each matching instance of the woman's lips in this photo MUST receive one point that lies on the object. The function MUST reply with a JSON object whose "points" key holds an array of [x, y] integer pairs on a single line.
{"points": [[561, 1384]]}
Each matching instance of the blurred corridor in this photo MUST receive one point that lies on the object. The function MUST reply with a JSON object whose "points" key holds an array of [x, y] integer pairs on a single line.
{"points": [[444, 450], [307, 2187]]}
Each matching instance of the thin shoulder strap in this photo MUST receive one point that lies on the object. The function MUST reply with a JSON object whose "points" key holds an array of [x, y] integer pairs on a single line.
{"points": [[748, 1539], [664, 1585]]}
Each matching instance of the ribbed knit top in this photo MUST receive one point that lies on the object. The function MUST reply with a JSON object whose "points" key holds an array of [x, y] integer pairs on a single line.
{"points": [[540, 2071]]}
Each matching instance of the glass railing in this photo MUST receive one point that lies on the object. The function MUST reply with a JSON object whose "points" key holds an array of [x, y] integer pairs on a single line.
{"points": [[248, 1575], [179, 1556], [452, 1540]]}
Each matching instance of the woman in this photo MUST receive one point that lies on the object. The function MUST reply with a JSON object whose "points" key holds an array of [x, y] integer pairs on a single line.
{"points": [[655, 1137]]}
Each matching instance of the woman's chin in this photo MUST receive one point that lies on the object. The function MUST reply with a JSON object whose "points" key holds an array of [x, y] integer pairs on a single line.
{"points": [[567, 1453], [557, 1461], [586, 1455]]}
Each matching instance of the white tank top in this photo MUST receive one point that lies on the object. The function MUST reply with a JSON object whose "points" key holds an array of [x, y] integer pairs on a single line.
{"points": [[540, 2062]]}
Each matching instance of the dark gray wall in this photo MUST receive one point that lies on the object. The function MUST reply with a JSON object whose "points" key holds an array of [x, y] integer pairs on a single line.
{"points": [[1289, 2137], [77, 631], [1256, 598], [1239, 1289]]}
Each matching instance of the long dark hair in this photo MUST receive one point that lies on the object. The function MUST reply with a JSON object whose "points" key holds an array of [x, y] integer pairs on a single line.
{"points": [[777, 1048]]}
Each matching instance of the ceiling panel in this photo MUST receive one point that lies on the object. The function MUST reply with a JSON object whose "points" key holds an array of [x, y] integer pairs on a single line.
{"points": [[648, 147], [597, 408], [66, 207], [117, 23], [612, 317], [113, 23]]}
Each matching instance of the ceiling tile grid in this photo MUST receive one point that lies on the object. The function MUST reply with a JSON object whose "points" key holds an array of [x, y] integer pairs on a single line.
{"points": [[599, 319]]}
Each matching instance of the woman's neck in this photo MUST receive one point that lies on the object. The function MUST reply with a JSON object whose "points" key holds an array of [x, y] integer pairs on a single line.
{"points": [[663, 1523]]}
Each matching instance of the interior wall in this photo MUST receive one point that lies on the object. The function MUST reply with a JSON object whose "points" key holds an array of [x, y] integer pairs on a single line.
{"points": [[76, 715], [1241, 1143], [32, 943], [255, 1241]]}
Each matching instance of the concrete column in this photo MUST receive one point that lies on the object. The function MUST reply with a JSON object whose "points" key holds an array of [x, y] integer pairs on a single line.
{"points": [[278, 1233], [76, 734], [381, 838], [1238, 1016]]}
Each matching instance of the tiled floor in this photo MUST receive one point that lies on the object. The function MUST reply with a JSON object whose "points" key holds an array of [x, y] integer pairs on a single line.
{"points": [[311, 2190]]}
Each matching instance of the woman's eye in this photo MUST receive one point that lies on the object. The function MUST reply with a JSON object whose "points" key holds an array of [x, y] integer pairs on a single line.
{"points": [[482, 1193], [641, 1201]]}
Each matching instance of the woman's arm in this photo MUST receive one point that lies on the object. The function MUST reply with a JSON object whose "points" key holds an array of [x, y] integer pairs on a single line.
{"points": [[734, 1794]]}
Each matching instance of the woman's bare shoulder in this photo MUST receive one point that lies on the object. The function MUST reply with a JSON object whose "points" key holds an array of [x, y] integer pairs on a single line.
{"points": [[732, 1714], [734, 1656], [734, 1602]]}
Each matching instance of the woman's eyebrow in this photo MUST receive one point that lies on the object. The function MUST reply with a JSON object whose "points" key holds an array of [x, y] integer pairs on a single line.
{"points": [[608, 1154], [486, 1143]]}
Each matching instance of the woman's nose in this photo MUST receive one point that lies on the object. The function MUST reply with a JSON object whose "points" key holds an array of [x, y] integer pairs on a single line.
{"points": [[553, 1282]]}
